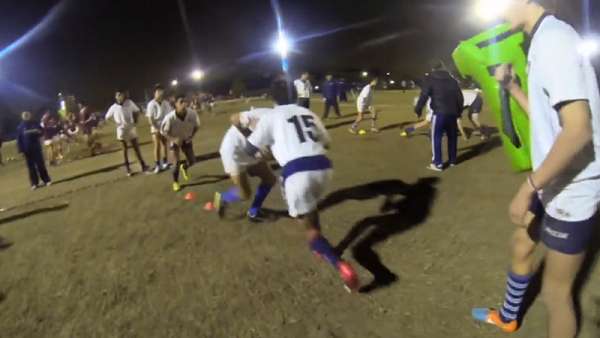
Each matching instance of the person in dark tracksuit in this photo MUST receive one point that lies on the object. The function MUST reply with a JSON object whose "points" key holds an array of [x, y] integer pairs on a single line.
{"points": [[447, 105], [343, 90], [330, 93], [28, 143]]}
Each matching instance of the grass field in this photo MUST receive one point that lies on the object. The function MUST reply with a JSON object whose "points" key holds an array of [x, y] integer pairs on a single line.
{"points": [[102, 255]]}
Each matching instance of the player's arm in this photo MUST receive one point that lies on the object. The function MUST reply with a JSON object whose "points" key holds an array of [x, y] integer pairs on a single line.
{"points": [[261, 138], [505, 74], [425, 94], [576, 134]]}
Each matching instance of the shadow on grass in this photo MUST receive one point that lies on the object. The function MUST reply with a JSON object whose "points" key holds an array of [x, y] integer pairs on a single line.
{"points": [[471, 152], [208, 157], [205, 180], [34, 212], [4, 244], [90, 173], [405, 207]]}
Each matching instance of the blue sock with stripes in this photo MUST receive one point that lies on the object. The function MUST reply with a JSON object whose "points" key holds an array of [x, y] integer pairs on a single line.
{"points": [[321, 246], [261, 194], [516, 286], [232, 195]]}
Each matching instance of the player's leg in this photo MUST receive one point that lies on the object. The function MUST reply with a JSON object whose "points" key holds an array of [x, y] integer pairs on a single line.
{"points": [[374, 116], [452, 134], [40, 166], [474, 118], [164, 162], [327, 109], [175, 154], [359, 118], [437, 132], [336, 106], [32, 170], [461, 129], [125, 150], [156, 140], [267, 181], [136, 148]]}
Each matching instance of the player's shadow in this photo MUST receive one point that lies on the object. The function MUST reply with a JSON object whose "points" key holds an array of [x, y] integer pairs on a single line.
{"points": [[339, 124], [468, 153], [208, 157], [405, 207], [4, 244], [33, 212], [205, 180], [588, 266], [395, 126], [90, 173]]}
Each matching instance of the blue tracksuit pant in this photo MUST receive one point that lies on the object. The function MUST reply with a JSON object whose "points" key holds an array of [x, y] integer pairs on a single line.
{"points": [[444, 124]]}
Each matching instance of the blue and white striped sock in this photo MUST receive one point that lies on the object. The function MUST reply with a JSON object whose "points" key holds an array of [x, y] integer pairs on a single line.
{"points": [[516, 286]]}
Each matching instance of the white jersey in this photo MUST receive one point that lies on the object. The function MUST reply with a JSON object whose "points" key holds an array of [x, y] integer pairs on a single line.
{"points": [[181, 129], [122, 115], [156, 112], [470, 96], [303, 88], [365, 98], [291, 132], [559, 73]]}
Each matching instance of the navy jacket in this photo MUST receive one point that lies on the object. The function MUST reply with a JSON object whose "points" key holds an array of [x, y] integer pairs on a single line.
{"points": [[28, 137], [444, 91], [330, 90]]}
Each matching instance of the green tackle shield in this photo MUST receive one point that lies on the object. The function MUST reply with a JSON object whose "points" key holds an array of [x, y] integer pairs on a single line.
{"points": [[477, 59]]}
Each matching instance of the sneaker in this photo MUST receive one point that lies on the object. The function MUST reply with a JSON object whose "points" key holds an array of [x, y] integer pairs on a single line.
{"points": [[184, 172], [255, 216], [219, 205], [352, 131], [491, 316], [374, 130], [34, 187], [435, 167], [129, 173], [349, 276], [176, 187], [157, 170], [165, 166], [404, 133], [49, 183]]}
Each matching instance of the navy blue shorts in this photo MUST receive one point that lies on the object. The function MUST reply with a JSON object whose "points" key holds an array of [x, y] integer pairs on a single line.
{"points": [[570, 238]]}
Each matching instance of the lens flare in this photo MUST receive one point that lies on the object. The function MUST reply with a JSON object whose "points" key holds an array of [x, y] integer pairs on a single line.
{"points": [[282, 45], [489, 10]]}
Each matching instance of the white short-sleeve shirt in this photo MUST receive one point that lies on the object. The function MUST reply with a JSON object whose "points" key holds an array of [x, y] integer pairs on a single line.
{"points": [[365, 99], [157, 112], [291, 132], [122, 115], [559, 73], [181, 129], [303, 88], [469, 96]]}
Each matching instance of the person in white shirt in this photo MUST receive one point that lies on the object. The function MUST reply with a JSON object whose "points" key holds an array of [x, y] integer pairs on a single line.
{"points": [[364, 105], [299, 141], [558, 202], [304, 90], [180, 126], [239, 166], [122, 113], [474, 105], [156, 111]]}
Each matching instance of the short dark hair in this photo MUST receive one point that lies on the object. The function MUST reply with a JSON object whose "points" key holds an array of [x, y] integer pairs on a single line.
{"points": [[180, 96], [437, 64], [120, 90], [281, 92], [158, 86]]}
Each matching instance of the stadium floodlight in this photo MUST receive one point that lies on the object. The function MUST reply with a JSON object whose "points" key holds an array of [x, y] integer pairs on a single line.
{"points": [[489, 10], [392, 82], [589, 47], [282, 46], [174, 83], [317, 87], [197, 75], [388, 73], [365, 74]]}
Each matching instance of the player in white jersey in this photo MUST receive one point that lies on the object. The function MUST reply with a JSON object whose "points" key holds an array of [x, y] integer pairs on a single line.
{"points": [[474, 105], [122, 113], [558, 203], [299, 141], [180, 126], [364, 105], [156, 111], [239, 166], [304, 90]]}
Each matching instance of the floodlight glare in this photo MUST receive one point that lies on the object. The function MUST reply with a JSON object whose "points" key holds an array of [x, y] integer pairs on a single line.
{"points": [[365, 74], [174, 83], [392, 82], [282, 45], [489, 10], [197, 75], [589, 47]]}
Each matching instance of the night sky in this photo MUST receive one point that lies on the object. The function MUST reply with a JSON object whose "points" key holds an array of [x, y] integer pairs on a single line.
{"points": [[91, 47]]}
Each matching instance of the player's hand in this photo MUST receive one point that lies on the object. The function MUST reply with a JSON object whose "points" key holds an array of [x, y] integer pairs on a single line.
{"points": [[520, 205], [505, 75]]}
